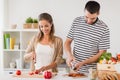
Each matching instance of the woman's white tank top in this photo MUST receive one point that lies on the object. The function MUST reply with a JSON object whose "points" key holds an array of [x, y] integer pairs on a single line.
{"points": [[44, 55]]}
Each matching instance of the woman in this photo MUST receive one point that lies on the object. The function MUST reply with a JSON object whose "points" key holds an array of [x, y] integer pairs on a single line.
{"points": [[45, 49]]}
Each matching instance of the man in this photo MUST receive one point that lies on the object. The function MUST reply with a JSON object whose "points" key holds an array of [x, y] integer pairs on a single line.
{"points": [[91, 39]]}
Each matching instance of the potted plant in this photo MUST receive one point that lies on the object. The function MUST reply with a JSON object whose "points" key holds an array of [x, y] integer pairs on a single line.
{"points": [[28, 23], [35, 23]]}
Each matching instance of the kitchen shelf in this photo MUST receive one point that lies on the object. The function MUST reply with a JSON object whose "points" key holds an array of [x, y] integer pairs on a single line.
{"points": [[22, 38]]}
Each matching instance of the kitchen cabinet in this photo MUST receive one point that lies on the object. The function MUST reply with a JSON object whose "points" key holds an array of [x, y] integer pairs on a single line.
{"points": [[13, 57]]}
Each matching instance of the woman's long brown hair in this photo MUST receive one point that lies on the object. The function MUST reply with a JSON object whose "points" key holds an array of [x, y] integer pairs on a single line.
{"points": [[47, 17]]}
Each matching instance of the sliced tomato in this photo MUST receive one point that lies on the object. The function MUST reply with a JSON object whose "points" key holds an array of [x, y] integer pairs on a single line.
{"points": [[36, 72], [31, 73]]}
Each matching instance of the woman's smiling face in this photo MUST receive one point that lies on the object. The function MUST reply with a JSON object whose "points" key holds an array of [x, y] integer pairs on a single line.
{"points": [[45, 27]]}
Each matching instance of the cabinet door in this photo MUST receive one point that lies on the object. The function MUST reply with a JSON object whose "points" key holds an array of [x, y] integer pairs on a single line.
{"points": [[11, 60]]}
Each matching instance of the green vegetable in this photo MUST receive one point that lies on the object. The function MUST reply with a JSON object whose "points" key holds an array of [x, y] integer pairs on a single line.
{"points": [[105, 55]]}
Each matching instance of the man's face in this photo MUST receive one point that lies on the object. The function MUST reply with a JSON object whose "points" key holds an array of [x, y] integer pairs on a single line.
{"points": [[90, 18]]}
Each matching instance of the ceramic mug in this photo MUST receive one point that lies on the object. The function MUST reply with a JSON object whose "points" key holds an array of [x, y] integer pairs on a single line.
{"points": [[12, 65]]}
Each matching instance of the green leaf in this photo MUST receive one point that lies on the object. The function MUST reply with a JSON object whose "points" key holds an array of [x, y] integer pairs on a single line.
{"points": [[29, 20], [105, 55]]}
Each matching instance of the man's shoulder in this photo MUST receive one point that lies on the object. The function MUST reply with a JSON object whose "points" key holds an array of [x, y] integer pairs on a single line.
{"points": [[79, 18], [103, 24]]}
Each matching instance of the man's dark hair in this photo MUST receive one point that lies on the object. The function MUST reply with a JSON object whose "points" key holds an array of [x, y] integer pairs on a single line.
{"points": [[92, 7]]}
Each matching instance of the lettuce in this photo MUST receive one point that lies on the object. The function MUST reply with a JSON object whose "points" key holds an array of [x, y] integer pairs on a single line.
{"points": [[105, 55]]}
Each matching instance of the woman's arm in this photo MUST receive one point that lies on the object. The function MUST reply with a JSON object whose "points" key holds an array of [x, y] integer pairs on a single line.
{"points": [[30, 52], [59, 51], [50, 66]]}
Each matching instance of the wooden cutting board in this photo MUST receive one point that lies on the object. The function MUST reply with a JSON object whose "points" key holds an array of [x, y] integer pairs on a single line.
{"points": [[27, 75]]}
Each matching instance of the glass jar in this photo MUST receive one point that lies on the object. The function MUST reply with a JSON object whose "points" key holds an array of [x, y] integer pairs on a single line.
{"points": [[92, 74]]}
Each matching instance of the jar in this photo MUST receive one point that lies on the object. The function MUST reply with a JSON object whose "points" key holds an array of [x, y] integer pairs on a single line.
{"points": [[92, 74]]}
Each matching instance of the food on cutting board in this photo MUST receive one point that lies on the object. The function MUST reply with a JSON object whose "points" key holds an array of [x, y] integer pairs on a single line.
{"points": [[45, 74], [18, 72], [75, 75], [31, 73], [36, 72]]}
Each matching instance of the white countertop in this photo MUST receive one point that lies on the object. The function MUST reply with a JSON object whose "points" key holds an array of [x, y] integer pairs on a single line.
{"points": [[7, 76]]}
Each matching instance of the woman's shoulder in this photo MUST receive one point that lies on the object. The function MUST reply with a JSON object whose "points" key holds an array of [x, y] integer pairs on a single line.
{"points": [[58, 38]]}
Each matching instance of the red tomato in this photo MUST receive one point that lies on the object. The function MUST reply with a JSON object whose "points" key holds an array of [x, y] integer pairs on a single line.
{"points": [[47, 74], [118, 54], [36, 72], [118, 57], [113, 59], [18, 72], [31, 73]]}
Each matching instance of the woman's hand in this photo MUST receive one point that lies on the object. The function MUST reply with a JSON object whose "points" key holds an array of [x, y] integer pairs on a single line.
{"points": [[33, 56], [30, 56], [41, 69]]}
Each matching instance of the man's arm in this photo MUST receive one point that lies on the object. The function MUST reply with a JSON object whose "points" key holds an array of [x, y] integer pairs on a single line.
{"points": [[67, 46], [91, 59], [94, 58]]}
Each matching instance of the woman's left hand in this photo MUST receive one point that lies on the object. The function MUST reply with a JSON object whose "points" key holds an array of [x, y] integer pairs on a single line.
{"points": [[41, 69]]}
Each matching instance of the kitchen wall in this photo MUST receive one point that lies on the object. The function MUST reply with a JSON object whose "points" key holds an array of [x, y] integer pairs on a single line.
{"points": [[1, 24], [63, 12]]}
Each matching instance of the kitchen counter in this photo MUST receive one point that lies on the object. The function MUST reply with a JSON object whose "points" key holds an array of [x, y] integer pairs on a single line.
{"points": [[7, 76]]}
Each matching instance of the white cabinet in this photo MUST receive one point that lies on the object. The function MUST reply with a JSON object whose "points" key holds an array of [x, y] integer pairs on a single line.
{"points": [[13, 58]]}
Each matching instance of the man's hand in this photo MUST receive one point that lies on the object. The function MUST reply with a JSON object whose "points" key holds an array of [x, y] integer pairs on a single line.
{"points": [[69, 60], [78, 66]]}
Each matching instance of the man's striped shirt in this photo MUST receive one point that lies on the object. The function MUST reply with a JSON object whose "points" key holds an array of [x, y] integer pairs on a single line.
{"points": [[88, 40]]}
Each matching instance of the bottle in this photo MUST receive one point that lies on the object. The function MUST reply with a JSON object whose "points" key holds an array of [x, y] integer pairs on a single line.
{"points": [[12, 43]]}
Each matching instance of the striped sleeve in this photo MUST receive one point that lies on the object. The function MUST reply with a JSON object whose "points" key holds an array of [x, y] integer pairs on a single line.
{"points": [[105, 40], [71, 32]]}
